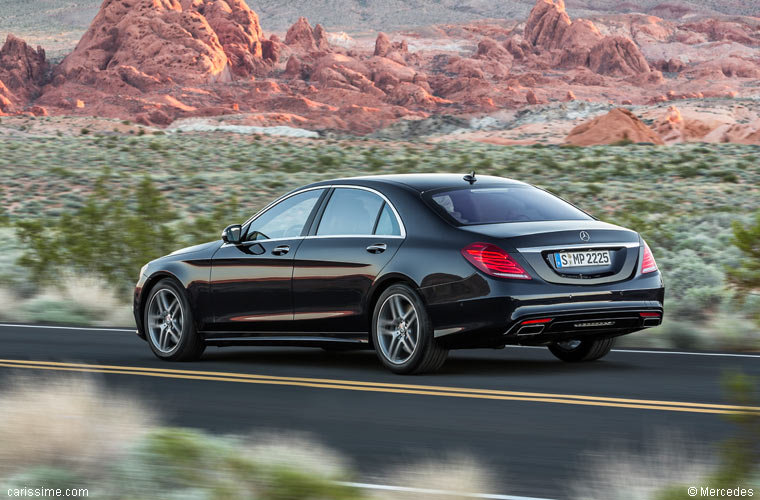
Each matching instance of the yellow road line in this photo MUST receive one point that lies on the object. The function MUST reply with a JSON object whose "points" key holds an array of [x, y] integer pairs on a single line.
{"points": [[384, 387]]}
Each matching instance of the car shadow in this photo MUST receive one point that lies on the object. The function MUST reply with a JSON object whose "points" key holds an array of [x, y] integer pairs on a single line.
{"points": [[480, 362]]}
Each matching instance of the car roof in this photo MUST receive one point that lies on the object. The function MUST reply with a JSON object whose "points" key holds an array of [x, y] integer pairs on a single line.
{"points": [[423, 182]]}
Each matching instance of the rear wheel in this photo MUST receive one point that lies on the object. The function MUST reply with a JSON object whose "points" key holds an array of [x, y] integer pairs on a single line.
{"points": [[169, 324], [574, 351], [403, 334]]}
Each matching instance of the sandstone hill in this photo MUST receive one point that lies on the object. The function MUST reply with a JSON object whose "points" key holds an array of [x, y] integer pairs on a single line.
{"points": [[156, 61]]}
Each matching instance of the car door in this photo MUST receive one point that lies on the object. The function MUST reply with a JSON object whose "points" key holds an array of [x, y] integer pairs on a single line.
{"points": [[356, 235], [251, 281]]}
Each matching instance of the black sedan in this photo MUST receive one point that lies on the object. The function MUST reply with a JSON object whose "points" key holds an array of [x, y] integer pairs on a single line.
{"points": [[410, 265]]}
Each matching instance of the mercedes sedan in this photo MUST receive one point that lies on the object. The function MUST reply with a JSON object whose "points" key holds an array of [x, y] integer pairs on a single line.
{"points": [[410, 266]]}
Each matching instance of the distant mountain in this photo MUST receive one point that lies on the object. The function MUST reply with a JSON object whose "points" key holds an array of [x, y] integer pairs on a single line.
{"points": [[349, 15], [58, 24]]}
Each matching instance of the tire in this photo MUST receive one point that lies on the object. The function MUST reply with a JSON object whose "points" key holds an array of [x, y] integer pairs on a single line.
{"points": [[172, 337], [587, 350], [400, 316]]}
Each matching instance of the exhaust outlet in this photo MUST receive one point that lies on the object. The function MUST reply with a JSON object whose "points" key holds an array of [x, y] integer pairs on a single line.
{"points": [[530, 330], [651, 322]]}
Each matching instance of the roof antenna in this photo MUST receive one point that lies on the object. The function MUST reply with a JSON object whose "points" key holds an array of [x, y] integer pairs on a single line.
{"points": [[470, 178]]}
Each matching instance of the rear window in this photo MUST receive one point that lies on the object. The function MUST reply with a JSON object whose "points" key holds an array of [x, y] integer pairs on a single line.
{"points": [[519, 203]]}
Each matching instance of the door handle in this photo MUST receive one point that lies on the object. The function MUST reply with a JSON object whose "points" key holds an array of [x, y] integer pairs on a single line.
{"points": [[377, 248], [281, 250]]}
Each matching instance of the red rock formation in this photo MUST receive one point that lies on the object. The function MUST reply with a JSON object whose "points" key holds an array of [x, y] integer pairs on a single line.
{"points": [[730, 67], [5, 99], [547, 24], [383, 45], [580, 43], [195, 41], [396, 51], [617, 56], [294, 68], [488, 48], [519, 49], [237, 28], [23, 71], [672, 65], [155, 61], [617, 125], [303, 37], [719, 30], [673, 127]]}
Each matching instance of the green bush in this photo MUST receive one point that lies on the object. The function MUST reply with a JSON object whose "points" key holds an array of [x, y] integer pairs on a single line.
{"points": [[173, 463], [746, 276], [107, 236], [44, 310], [739, 464]]}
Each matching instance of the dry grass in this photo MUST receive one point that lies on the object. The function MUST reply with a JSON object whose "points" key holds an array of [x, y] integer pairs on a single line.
{"points": [[99, 300], [455, 474], [75, 299], [9, 305], [299, 451], [66, 420], [621, 474]]}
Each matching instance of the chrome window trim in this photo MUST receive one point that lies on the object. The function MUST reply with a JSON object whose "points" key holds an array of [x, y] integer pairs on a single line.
{"points": [[632, 244], [279, 200], [299, 238], [325, 236], [400, 222], [254, 242]]}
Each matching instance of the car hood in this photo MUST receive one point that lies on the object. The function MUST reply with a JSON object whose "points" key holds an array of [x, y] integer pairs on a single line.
{"points": [[210, 247]]}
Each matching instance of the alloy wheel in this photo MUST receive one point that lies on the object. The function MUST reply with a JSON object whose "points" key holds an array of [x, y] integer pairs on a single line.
{"points": [[398, 329], [165, 320]]}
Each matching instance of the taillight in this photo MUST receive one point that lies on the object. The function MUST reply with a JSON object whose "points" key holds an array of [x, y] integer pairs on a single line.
{"points": [[648, 265], [494, 261], [537, 321]]}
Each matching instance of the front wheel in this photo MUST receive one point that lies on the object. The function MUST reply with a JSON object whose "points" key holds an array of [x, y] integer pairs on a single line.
{"points": [[169, 325], [403, 334], [574, 351]]}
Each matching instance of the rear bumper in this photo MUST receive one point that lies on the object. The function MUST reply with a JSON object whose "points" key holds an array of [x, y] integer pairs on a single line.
{"points": [[590, 320], [569, 312]]}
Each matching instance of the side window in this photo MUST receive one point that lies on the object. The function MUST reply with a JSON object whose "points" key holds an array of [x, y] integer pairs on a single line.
{"points": [[350, 212], [387, 224], [286, 219]]}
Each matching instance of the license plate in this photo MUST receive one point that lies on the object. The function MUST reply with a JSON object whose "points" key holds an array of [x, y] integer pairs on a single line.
{"points": [[578, 259]]}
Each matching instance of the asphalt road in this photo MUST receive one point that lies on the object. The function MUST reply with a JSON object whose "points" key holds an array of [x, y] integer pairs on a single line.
{"points": [[530, 418]]}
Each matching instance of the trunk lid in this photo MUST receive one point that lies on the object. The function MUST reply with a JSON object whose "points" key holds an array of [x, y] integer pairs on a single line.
{"points": [[542, 243]]}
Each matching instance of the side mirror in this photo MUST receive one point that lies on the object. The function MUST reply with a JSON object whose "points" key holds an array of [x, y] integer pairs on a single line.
{"points": [[232, 234]]}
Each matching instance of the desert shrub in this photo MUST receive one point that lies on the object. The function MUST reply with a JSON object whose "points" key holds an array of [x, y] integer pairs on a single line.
{"points": [[460, 475], [106, 236], [208, 227], [76, 299], [666, 469], [622, 473], [739, 456], [745, 276], [681, 334], [66, 421], [52, 310], [70, 431]]}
